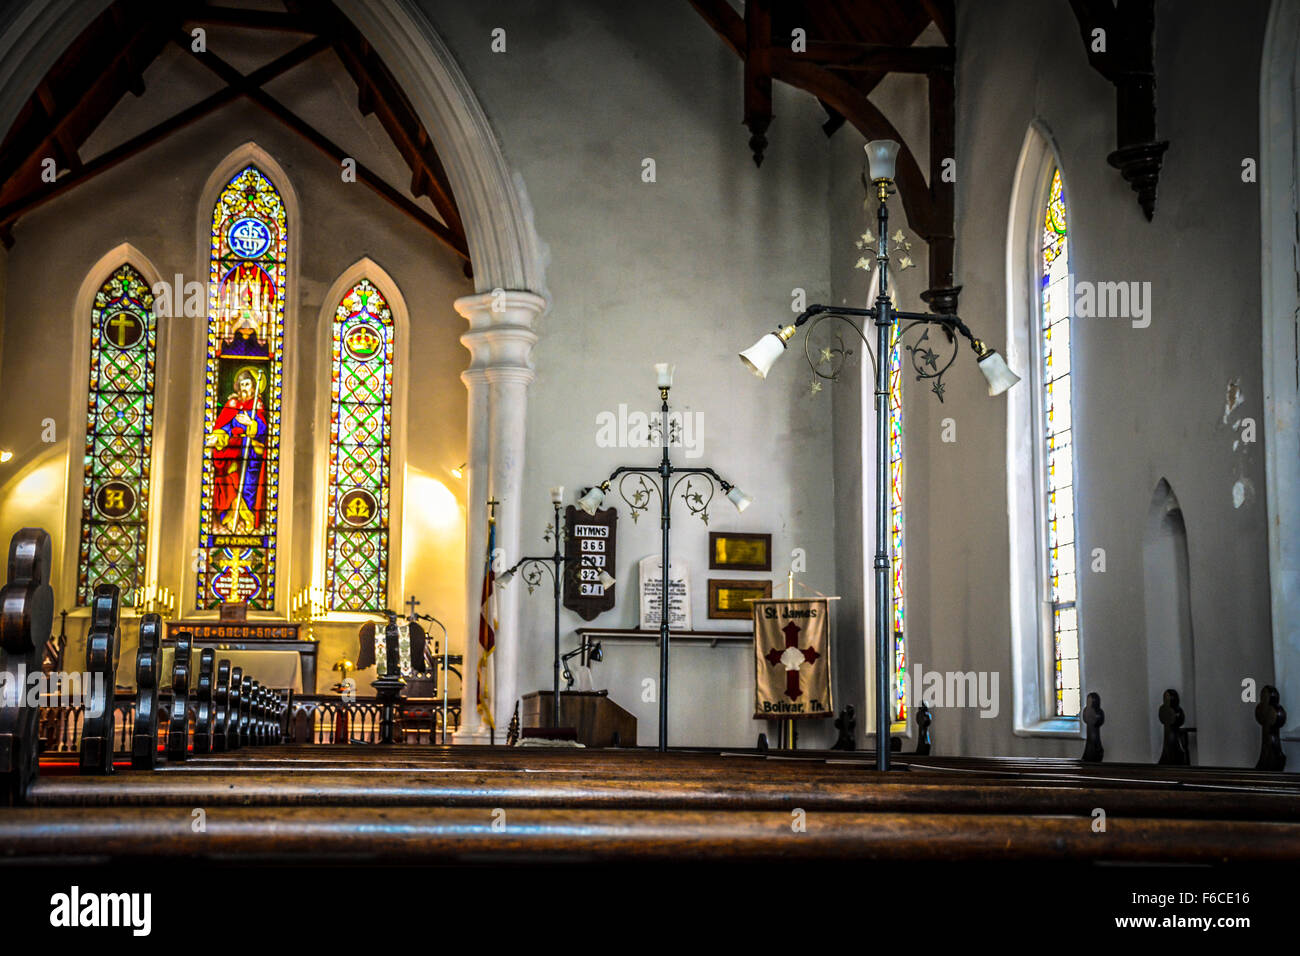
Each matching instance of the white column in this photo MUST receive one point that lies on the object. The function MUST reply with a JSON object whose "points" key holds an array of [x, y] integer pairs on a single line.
{"points": [[500, 340]]}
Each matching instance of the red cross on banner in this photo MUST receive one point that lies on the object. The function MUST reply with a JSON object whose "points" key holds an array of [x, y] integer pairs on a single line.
{"points": [[791, 658], [792, 678]]}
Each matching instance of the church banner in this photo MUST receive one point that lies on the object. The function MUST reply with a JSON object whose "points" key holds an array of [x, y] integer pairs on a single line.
{"points": [[792, 661]]}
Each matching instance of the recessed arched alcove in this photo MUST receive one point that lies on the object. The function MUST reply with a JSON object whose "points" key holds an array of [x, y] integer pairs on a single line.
{"points": [[1169, 644]]}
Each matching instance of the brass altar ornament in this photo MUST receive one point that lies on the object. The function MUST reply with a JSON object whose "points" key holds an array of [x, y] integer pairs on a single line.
{"points": [[345, 667]]}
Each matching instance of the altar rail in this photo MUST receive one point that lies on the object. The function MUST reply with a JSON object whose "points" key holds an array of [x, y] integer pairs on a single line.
{"points": [[325, 719]]}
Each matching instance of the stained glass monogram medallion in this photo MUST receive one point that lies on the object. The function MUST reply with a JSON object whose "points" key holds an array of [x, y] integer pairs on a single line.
{"points": [[119, 438], [1058, 437], [244, 379], [361, 411]]}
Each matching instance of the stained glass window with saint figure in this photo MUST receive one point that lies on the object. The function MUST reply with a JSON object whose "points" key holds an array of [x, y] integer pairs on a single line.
{"points": [[361, 412], [119, 438], [1057, 423], [243, 383]]}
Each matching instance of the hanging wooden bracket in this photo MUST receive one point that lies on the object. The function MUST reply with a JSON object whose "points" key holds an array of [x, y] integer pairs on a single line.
{"points": [[827, 70], [1120, 40]]}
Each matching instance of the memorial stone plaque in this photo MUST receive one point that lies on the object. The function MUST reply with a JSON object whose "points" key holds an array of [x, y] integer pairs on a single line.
{"points": [[679, 594]]}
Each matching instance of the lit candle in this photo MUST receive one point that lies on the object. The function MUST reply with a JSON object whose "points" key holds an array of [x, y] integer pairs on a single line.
{"points": [[557, 494], [665, 373]]}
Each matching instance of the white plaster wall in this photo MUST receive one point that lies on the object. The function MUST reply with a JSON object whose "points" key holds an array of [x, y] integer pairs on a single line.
{"points": [[689, 269], [1149, 403]]}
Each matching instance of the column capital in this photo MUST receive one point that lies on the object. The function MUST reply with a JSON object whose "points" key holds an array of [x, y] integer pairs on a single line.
{"points": [[500, 334], [501, 307]]}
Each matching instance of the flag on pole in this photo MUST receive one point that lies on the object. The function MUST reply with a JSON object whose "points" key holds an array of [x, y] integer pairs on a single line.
{"points": [[487, 627]]}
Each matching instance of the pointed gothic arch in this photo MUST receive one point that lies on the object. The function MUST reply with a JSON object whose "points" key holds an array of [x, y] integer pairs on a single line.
{"points": [[363, 268], [96, 276]]}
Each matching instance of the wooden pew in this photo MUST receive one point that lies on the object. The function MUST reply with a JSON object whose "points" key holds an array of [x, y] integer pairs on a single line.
{"points": [[178, 730], [144, 742], [203, 703], [26, 617], [101, 645]]}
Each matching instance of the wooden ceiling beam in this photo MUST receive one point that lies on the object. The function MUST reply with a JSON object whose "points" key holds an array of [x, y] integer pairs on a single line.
{"points": [[872, 57], [1120, 42], [758, 75], [725, 22], [11, 211], [95, 84], [839, 74], [252, 19], [845, 99], [378, 93], [456, 243], [944, 15]]}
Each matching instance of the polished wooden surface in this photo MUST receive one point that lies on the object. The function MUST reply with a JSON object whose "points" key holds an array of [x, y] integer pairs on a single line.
{"points": [[436, 804]]}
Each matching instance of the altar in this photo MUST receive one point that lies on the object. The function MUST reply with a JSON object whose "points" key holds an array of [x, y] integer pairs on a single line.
{"points": [[272, 649]]}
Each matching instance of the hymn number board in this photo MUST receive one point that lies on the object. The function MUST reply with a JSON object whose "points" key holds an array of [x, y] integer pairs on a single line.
{"points": [[588, 550]]}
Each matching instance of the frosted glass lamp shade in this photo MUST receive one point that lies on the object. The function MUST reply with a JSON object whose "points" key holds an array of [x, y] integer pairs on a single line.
{"points": [[882, 158], [606, 580], [557, 494], [504, 579], [664, 374], [739, 499], [999, 374], [762, 355], [592, 500]]}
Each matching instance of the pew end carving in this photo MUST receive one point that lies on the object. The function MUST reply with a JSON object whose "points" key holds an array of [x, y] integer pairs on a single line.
{"points": [[1093, 718], [923, 721], [144, 742], [1271, 716], [26, 619], [101, 650], [178, 729], [203, 703], [1175, 751]]}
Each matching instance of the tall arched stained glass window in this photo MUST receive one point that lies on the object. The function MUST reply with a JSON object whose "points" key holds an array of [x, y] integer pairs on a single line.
{"points": [[1057, 456], [361, 413], [119, 438], [241, 424], [896, 528]]}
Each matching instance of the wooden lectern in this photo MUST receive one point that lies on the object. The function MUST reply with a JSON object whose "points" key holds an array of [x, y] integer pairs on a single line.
{"points": [[598, 720]]}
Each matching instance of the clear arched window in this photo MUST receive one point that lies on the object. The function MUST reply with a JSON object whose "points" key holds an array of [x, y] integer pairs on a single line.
{"points": [[361, 413], [119, 438], [244, 379], [1056, 458]]}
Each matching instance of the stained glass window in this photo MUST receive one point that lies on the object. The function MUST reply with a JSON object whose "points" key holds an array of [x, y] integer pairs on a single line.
{"points": [[1058, 450], [241, 423], [119, 438], [896, 527], [361, 410]]}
